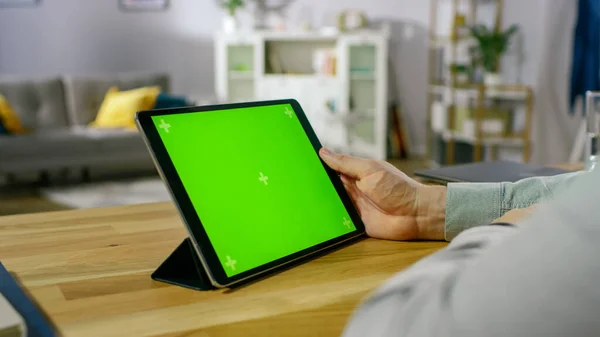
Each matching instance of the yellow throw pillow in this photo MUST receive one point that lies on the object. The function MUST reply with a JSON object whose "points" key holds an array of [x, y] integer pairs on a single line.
{"points": [[10, 120], [119, 107]]}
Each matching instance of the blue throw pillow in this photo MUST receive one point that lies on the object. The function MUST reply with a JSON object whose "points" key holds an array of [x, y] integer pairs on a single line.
{"points": [[3, 130], [166, 101]]}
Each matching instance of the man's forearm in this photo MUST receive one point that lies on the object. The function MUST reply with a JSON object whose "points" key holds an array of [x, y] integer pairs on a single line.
{"points": [[473, 204]]}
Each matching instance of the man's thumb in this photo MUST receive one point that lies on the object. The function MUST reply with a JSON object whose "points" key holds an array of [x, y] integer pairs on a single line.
{"points": [[356, 168]]}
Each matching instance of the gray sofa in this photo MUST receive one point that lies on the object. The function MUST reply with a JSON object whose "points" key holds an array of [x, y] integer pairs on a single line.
{"points": [[58, 110]]}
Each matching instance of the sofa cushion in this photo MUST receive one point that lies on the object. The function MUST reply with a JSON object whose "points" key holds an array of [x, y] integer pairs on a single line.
{"points": [[119, 107], [40, 104], [131, 143], [111, 141], [48, 144], [85, 94], [166, 101]]}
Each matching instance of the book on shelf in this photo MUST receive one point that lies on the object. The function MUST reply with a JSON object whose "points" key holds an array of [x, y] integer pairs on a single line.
{"points": [[325, 61], [398, 137], [275, 63]]}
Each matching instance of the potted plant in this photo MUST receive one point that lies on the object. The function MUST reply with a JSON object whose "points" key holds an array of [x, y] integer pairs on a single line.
{"points": [[491, 45], [230, 21]]}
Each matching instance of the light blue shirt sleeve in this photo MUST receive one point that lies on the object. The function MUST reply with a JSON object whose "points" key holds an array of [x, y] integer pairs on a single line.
{"points": [[474, 204]]}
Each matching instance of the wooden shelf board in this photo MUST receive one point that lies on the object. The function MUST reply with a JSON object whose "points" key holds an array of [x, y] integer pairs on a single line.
{"points": [[316, 35], [442, 41], [362, 77], [513, 141], [299, 76], [512, 94], [241, 75], [348, 119]]}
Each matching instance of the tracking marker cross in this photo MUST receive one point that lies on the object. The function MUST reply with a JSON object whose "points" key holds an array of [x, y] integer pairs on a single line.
{"points": [[165, 126], [230, 263], [263, 178], [289, 112]]}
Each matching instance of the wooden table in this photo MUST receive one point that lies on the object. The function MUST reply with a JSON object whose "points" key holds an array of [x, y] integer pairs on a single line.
{"points": [[90, 271]]}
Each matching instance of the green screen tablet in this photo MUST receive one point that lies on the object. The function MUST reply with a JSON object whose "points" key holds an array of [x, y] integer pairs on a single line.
{"points": [[252, 177]]}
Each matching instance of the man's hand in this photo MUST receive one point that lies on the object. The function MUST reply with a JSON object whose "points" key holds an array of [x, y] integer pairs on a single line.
{"points": [[391, 205], [515, 215]]}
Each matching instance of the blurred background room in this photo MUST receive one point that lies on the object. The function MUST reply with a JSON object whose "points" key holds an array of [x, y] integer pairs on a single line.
{"points": [[420, 83]]}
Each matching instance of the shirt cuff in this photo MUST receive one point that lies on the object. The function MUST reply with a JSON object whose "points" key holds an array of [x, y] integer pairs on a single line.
{"points": [[471, 205]]}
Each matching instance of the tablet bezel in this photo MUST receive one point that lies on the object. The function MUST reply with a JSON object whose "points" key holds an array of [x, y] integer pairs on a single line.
{"points": [[191, 218]]}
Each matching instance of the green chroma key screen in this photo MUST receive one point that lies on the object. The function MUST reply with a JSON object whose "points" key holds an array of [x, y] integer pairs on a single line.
{"points": [[255, 182]]}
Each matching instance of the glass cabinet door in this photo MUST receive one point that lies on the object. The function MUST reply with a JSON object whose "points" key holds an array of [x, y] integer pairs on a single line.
{"points": [[363, 70]]}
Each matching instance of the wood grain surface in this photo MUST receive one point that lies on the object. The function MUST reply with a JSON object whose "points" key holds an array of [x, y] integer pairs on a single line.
{"points": [[90, 271]]}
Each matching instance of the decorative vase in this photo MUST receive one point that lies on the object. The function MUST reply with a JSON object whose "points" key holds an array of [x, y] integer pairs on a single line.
{"points": [[230, 24], [492, 79]]}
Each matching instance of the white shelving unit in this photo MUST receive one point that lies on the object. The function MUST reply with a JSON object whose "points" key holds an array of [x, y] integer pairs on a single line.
{"points": [[346, 105]]}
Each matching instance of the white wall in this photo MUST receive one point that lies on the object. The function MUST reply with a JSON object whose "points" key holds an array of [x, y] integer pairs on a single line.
{"points": [[92, 36], [529, 15]]}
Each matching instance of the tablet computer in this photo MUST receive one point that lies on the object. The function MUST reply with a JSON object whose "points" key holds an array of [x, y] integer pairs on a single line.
{"points": [[250, 186]]}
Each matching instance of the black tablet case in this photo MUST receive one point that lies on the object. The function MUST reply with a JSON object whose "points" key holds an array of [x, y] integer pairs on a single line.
{"points": [[490, 172], [183, 268]]}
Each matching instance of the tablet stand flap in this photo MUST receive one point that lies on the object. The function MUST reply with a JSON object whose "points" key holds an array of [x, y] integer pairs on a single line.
{"points": [[183, 268]]}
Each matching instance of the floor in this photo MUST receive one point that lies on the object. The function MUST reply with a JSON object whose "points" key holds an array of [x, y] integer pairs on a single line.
{"points": [[25, 199]]}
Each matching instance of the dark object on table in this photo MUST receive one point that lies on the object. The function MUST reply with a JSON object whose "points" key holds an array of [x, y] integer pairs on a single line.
{"points": [[38, 324], [487, 172]]}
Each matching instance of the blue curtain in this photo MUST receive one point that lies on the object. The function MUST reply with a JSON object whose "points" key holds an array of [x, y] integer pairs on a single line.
{"points": [[585, 73]]}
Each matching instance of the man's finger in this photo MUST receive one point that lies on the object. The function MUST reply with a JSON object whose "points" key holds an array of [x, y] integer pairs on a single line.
{"points": [[356, 168]]}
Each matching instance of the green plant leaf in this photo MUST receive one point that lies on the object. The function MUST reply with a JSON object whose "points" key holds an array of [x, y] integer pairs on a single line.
{"points": [[231, 5], [491, 45]]}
